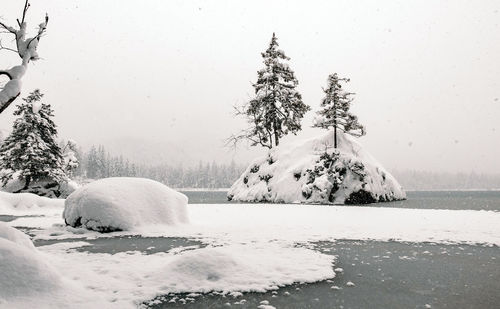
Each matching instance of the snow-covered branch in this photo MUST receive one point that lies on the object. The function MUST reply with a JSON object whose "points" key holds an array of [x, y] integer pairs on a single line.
{"points": [[26, 48]]}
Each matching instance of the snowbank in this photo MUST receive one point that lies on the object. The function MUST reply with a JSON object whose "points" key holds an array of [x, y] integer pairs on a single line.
{"points": [[314, 172], [23, 271], [244, 269], [126, 279], [118, 204], [26, 203], [15, 236]]}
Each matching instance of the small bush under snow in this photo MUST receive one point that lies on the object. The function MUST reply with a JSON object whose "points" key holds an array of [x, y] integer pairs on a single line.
{"points": [[314, 172], [122, 203]]}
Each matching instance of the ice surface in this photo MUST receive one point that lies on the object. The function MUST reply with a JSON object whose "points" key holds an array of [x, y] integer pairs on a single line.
{"points": [[122, 203]]}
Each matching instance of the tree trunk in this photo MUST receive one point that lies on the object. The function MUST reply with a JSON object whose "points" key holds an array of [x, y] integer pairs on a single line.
{"points": [[27, 184], [276, 135], [335, 137]]}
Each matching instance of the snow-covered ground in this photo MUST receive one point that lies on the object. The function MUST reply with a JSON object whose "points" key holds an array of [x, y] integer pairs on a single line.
{"points": [[250, 247]]}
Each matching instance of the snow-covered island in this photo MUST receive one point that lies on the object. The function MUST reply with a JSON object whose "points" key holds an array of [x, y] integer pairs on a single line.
{"points": [[315, 172]]}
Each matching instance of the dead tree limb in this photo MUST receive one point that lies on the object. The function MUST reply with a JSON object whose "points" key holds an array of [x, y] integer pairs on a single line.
{"points": [[26, 48]]}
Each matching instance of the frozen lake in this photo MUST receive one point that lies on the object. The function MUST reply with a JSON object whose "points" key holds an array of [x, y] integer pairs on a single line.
{"points": [[377, 273], [457, 200], [385, 275]]}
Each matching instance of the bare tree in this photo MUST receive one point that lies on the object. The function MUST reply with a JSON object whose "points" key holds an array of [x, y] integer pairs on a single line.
{"points": [[26, 48]]}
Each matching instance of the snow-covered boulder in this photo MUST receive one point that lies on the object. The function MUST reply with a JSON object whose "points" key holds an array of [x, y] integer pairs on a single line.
{"points": [[314, 172], [43, 187], [23, 271], [122, 203]]}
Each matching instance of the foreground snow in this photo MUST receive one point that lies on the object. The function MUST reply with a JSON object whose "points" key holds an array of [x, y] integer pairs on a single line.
{"points": [[249, 248], [28, 204], [122, 203], [314, 172]]}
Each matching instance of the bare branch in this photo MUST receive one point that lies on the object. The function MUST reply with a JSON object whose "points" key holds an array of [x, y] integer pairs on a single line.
{"points": [[26, 6], [6, 73], [7, 48], [7, 104], [8, 28], [26, 48]]}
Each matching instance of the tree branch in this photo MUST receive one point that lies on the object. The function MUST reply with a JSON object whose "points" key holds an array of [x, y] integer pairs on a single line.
{"points": [[26, 48], [6, 73]]}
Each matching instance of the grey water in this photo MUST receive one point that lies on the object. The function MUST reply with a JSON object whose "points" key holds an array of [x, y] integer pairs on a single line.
{"points": [[456, 200], [383, 275]]}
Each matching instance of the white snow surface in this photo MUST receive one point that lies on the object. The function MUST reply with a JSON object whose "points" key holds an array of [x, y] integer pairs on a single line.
{"points": [[123, 203], [27, 204], [15, 236], [24, 272], [250, 248], [244, 268], [284, 163]]}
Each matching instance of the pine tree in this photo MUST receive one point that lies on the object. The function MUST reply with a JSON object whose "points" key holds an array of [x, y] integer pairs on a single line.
{"points": [[335, 110], [31, 150], [277, 107]]}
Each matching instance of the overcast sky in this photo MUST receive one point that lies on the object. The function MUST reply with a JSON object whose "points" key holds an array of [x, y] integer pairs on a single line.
{"points": [[426, 73]]}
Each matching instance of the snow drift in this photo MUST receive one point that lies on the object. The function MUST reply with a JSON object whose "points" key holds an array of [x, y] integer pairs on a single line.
{"points": [[121, 203], [314, 172], [26, 203], [23, 271]]}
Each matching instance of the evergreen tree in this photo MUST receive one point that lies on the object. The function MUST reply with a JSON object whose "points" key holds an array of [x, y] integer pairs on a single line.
{"points": [[31, 150], [277, 107], [335, 110], [69, 151]]}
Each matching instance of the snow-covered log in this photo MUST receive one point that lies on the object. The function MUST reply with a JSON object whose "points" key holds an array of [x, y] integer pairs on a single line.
{"points": [[315, 172], [26, 48]]}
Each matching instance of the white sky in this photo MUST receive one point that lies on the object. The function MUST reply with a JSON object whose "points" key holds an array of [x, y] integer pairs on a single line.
{"points": [[426, 73]]}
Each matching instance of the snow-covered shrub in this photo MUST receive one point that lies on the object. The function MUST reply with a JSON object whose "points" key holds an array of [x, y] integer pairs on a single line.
{"points": [[315, 172], [122, 203]]}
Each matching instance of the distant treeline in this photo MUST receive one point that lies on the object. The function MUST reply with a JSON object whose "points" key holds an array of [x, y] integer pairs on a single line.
{"points": [[418, 180], [98, 163]]}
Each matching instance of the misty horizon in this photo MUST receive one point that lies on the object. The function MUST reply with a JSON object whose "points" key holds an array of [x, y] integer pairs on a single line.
{"points": [[429, 102]]}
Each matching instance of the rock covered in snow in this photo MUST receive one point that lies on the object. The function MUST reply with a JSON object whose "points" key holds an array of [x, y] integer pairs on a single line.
{"points": [[43, 187], [122, 203], [23, 270], [314, 172]]}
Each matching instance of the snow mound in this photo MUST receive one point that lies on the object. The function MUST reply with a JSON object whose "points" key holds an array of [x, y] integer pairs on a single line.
{"points": [[11, 203], [122, 203], [24, 273], [15, 236], [314, 172], [244, 269]]}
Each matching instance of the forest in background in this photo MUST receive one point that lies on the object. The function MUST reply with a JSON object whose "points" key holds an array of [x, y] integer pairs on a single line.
{"points": [[99, 163]]}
